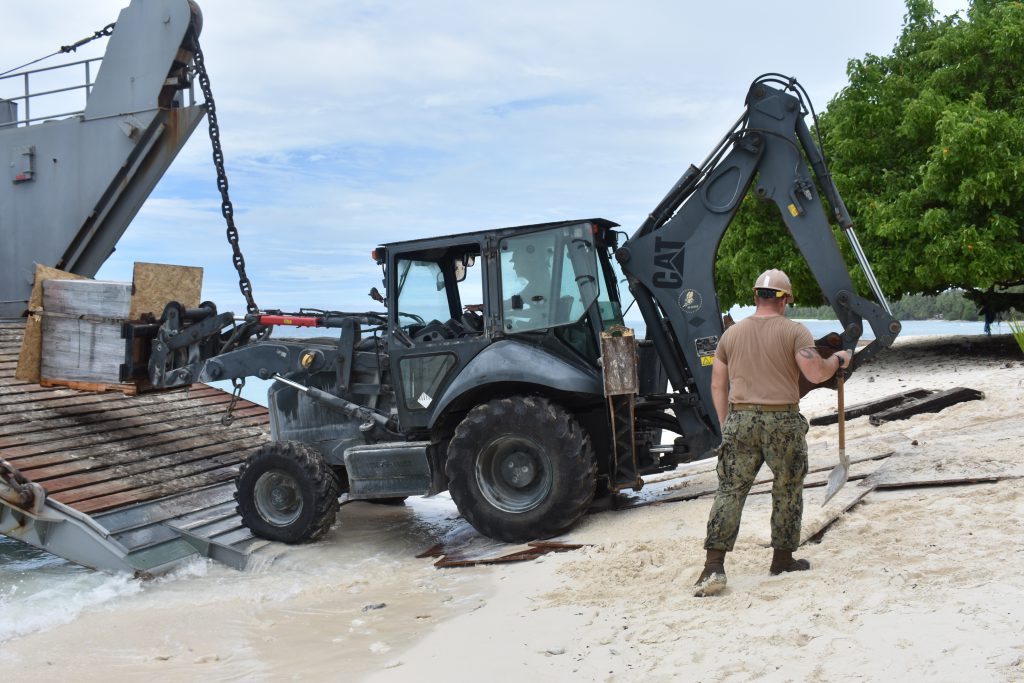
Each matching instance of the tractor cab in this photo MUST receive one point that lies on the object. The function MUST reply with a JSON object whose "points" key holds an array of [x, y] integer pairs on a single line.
{"points": [[449, 299]]}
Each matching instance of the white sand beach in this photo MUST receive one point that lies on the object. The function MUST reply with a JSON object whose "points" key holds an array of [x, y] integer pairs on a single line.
{"points": [[913, 583]]}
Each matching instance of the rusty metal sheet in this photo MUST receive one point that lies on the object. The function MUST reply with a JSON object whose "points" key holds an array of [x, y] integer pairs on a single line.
{"points": [[618, 361], [533, 550]]}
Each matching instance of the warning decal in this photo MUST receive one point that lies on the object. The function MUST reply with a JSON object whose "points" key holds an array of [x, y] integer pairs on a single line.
{"points": [[706, 349]]}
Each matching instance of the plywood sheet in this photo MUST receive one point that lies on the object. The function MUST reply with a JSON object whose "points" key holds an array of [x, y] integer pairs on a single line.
{"points": [[44, 273], [156, 284]]}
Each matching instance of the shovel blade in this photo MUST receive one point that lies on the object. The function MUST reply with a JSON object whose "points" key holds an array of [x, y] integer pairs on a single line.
{"points": [[837, 477]]}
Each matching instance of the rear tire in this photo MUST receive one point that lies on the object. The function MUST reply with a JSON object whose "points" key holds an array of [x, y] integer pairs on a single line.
{"points": [[521, 469], [287, 492]]}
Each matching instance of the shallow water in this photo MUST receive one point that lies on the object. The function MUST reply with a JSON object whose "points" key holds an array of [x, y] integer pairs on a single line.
{"points": [[39, 591]]}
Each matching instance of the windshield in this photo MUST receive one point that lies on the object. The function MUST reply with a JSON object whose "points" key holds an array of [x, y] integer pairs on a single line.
{"points": [[549, 278]]}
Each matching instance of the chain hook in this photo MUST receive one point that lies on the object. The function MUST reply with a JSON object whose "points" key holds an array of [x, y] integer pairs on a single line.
{"points": [[14, 479], [237, 383]]}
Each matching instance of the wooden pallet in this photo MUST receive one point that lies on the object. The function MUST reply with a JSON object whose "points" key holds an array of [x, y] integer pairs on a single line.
{"points": [[126, 389]]}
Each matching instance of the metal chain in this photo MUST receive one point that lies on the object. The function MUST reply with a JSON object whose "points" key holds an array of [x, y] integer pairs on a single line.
{"points": [[237, 383], [102, 33], [226, 208], [10, 475]]}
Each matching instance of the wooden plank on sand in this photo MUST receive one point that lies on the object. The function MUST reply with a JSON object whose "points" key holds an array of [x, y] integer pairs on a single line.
{"points": [[872, 407], [930, 404]]}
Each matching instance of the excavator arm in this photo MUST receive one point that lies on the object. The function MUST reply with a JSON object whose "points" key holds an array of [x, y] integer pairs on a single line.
{"points": [[669, 262]]}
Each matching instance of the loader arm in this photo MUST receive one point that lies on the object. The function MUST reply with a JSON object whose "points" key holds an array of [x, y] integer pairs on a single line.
{"points": [[669, 262]]}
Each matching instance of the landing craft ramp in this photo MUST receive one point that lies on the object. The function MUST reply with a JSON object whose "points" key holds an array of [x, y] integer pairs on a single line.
{"points": [[107, 481], [140, 483]]}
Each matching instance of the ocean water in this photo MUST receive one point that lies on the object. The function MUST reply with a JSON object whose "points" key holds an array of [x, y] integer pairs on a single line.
{"points": [[911, 328], [39, 591]]}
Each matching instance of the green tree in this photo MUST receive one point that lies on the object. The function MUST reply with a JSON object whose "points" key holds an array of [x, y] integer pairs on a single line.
{"points": [[926, 146]]}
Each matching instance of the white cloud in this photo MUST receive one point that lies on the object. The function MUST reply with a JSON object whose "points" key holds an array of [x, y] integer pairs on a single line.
{"points": [[349, 124]]}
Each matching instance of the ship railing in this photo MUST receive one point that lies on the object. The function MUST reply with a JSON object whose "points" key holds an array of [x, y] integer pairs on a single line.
{"points": [[9, 105], [56, 97]]}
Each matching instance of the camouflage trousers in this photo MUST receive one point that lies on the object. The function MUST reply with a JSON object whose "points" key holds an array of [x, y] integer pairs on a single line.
{"points": [[749, 438]]}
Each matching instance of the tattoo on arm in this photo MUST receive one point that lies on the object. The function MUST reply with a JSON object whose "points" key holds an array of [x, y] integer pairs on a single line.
{"points": [[808, 353]]}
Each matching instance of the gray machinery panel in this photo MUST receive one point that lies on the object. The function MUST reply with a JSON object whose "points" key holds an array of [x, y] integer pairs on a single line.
{"points": [[91, 172]]}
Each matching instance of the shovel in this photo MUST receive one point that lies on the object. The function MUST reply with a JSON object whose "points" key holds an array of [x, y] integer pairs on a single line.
{"points": [[837, 477]]}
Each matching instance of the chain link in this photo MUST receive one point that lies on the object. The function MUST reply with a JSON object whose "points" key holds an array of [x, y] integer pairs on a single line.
{"points": [[10, 476], [102, 33], [226, 208], [237, 383]]}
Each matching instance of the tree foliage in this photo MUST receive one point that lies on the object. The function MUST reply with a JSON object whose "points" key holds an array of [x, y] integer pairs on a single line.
{"points": [[949, 305], [926, 146]]}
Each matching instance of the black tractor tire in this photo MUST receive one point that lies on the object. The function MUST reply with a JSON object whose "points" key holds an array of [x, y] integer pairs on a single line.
{"points": [[287, 492], [521, 469]]}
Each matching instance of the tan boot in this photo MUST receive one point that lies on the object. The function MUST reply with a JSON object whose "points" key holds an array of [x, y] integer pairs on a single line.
{"points": [[712, 579], [783, 561]]}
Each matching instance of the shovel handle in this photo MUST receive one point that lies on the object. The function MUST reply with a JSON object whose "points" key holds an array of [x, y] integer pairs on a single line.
{"points": [[842, 411]]}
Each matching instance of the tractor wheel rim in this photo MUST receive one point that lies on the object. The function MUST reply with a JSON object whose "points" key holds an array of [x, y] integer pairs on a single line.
{"points": [[278, 498], [513, 474]]}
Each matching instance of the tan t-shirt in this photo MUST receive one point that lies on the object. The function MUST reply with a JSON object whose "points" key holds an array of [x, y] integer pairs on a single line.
{"points": [[761, 355]]}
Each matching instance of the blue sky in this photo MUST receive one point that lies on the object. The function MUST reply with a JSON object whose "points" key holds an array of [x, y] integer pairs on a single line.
{"points": [[346, 124]]}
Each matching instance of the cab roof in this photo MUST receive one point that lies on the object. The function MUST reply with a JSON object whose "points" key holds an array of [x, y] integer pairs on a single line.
{"points": [[428, 242]]}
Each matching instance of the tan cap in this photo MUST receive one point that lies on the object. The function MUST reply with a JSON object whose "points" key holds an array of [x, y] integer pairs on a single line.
{"points": [[774, 279]]}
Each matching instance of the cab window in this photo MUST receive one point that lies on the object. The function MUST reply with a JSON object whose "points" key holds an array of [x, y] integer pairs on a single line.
{"points": [[548, 279]]}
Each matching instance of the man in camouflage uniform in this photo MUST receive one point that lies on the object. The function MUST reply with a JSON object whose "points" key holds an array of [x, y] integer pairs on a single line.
{"points": [[755, 385]]}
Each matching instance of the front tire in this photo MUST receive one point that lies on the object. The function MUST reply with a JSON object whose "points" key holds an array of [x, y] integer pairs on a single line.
{"points": [[521, 469], [287, 492]]}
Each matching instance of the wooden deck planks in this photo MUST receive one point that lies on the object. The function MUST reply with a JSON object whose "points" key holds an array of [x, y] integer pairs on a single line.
{"points": [[102, 452], [57, 426], [111, 502], [101, 466], [133, 432], [74, 411]]}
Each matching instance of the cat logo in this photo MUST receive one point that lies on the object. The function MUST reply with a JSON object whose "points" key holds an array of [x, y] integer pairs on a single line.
{"points": [[668, 259]]}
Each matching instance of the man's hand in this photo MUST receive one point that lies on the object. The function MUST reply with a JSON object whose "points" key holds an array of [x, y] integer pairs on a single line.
{"points": [[817, 369]]}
